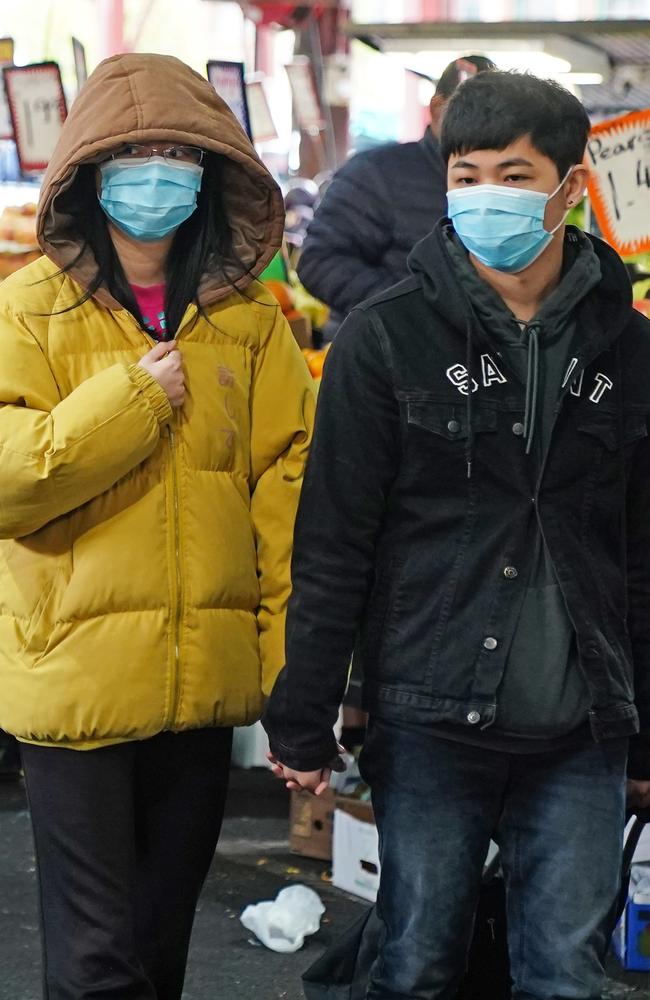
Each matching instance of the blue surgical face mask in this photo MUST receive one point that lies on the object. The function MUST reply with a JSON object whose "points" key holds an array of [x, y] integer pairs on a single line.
{"points": [[503, 227], [149, 200]]}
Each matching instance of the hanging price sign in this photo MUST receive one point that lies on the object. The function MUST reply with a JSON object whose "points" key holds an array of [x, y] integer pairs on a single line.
{"points": [[227, 78], [262, 123], [6, 59], [618, 155], [6, 128], [306, 103], [38, 110]]}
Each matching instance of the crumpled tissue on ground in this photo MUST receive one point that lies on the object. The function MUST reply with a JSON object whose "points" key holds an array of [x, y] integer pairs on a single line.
{"points": [[283, 924]]}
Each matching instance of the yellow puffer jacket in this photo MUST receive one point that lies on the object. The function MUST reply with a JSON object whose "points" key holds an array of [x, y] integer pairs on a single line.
{"points": [[144, 567]]}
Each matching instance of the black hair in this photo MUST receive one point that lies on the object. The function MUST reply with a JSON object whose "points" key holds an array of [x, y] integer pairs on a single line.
{"points": [[493, 110], [202, 244], [452, 74]]}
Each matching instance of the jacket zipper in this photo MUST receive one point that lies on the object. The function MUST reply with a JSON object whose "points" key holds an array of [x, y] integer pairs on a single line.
{"points": [[178, 596]]}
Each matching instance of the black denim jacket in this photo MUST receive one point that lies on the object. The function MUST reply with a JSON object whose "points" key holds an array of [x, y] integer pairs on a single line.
{"points": [[399, 548]]}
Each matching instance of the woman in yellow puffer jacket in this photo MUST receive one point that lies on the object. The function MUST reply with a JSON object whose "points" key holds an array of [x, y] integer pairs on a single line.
{"points": [[155, 415]]}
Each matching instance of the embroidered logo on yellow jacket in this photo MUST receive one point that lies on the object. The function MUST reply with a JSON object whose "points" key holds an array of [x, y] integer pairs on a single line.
{"points": [[145, 560]]}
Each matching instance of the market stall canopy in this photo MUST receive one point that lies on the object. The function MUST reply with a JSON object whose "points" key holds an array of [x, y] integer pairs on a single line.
{"points": [[609, 60]]}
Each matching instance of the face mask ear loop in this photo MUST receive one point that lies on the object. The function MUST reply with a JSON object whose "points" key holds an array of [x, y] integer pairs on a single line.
{"points": [[562, 182], [552, 195]]}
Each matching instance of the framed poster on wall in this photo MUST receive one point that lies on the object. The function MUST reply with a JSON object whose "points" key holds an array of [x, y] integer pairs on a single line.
{"points": [[227, 78], [38, 109]]}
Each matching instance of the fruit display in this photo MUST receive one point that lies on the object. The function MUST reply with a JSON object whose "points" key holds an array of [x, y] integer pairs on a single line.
{"points": [[284, 294], [287, 296], [313, 308], [299, 322], [18, 225], [18, 243], [315, 361]]}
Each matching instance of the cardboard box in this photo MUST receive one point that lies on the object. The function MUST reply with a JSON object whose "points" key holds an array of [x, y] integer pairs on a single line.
{"points": [[355, 852], [631, 940], [250, 746], [311, 824], [301, 329]]}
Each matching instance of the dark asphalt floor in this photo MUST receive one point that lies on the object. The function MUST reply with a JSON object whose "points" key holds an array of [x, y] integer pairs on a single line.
{"points": [[252, 864]]}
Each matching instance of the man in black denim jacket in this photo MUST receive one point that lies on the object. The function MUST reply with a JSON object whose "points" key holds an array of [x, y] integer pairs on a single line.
{"points": [[476, 517]]}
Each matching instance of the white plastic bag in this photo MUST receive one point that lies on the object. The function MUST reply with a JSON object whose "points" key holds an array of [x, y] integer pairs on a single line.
{"points": [[284, 923]]}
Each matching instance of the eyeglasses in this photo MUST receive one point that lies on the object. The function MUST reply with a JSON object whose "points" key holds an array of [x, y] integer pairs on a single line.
{"points": [[140, 154]]}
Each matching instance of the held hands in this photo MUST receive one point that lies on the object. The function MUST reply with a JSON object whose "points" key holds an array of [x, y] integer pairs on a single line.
{"points": [[638, 794], [164, 363], [315, 782]]}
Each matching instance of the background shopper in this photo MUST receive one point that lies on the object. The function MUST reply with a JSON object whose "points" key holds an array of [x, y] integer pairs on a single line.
{"points": [[377, 207]]}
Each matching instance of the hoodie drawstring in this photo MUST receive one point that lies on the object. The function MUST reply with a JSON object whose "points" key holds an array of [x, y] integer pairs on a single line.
{"points": [[469, 444], [532, 385], [621, 458], [532, 392]]}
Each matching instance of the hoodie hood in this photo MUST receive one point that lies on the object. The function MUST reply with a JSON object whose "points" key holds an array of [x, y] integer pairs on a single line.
{"points": [[143, 98], [432, 261], [581, 272], [456, 291]]}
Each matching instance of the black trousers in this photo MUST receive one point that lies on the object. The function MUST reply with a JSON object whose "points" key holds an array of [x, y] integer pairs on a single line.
{"points": [[124, 837], [9, 756]]}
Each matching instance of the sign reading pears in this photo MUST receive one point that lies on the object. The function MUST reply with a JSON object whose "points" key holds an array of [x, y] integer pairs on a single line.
{"points": [[618, 155]]}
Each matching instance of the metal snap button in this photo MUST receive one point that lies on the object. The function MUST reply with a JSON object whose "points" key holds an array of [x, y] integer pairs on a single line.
{"points": [[518, 429], [473, 718], [510, 572], [490, 642], [453, 427]]}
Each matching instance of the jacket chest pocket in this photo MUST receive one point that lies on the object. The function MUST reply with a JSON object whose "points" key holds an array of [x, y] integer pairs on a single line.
{"points": [[449, 421], [608, 430], [438, 433]]}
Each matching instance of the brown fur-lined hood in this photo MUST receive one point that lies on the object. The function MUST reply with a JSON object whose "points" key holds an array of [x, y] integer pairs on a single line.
{"points": [[147, 98]]}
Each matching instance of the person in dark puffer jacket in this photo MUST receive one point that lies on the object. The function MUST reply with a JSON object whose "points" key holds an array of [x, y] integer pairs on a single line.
{"points": [[378, 206]]}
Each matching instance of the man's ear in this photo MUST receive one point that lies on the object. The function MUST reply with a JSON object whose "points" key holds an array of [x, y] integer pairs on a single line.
{"points": [[437, 107], [576, 184]]}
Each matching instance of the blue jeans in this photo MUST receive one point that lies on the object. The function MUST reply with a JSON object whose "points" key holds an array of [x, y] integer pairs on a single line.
{"points": [[558, 818]]}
